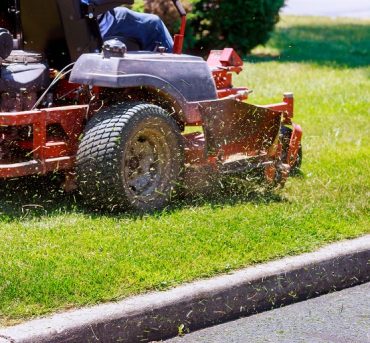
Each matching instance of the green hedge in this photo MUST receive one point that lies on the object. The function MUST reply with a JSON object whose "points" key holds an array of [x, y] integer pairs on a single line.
{"points": [[241, 24], [215, 24]]}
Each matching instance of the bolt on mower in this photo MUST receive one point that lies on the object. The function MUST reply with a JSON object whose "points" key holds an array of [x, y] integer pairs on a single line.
{"points": [[112, 117]]}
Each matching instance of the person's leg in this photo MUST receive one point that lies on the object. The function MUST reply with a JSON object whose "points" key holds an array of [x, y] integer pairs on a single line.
{"points": [[147, 29]]}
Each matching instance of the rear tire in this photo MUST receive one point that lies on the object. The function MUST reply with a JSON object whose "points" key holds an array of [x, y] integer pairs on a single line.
{"points": [[130, 156]]}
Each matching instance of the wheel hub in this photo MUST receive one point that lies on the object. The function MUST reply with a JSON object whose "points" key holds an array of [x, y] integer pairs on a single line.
{"points": [[143, 168]]}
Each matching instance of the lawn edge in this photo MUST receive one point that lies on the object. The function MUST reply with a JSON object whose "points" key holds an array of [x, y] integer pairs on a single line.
{"points": [[161, 315]]}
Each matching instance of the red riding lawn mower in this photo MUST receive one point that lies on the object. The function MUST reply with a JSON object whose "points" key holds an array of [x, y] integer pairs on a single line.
{"points": [[113, 118]]}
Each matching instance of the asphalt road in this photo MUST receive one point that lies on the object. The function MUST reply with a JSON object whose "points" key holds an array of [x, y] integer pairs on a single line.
{"points": [[329, 8], [340, 317]]}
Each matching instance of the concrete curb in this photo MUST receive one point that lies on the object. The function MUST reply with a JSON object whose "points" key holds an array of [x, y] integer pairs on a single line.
{"points": [[157, 316]]}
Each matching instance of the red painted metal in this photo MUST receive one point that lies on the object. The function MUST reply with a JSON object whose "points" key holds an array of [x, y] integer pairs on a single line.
{"points": [[270, 173], [179, 38], [239, 93], [233, 127], [47, 154], [287, 107], [294, 143], [196, 152], [225, 58], [229, 156], [195, 148], [36, 167], [223, 64]]}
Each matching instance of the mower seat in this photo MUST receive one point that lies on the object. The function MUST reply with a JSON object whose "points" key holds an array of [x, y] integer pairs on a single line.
{"points": [[43, 31], [57, 29], [76, 16], [63, 29]]}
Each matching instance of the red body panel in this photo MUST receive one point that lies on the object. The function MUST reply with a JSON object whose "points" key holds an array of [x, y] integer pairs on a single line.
{"points": [[47, 154]]}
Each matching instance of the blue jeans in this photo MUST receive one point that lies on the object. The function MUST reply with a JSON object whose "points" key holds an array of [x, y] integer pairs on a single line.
{"points": [[147, 29]]}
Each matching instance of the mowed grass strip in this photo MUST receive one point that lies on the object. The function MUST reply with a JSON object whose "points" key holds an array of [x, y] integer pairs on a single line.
{"points": [[55, 254]]}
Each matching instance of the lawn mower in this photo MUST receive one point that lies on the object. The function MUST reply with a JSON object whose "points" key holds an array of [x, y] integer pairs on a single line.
{"points": [[114, 119]]}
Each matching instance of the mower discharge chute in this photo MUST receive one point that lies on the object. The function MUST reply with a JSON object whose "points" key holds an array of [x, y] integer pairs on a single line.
{"points": [[113, 119]]}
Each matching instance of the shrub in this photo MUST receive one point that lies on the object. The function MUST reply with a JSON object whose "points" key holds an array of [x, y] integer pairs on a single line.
{"points": [[166, 10], [241, 24]]}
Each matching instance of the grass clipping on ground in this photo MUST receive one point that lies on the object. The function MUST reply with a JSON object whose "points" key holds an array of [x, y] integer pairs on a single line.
{"points": [[55, 255]]}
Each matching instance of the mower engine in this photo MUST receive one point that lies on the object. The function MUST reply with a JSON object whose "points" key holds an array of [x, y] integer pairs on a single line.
{"points": [[23, 75]]}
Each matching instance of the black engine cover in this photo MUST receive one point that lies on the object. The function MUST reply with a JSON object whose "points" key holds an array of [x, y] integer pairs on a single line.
{"points": [[25, 71], [6, 43]]}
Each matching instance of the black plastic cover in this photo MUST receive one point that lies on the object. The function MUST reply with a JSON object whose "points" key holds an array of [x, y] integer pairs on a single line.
{"points": [[6, 43], [31, 77], [187, 78], [43, 31]]}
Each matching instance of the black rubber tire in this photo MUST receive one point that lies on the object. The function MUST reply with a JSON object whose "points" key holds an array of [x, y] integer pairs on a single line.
{"points": [[286, 133], [130, 156]]}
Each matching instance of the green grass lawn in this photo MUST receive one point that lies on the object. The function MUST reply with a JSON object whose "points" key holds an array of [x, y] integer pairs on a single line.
{"points": [[54, 254]]}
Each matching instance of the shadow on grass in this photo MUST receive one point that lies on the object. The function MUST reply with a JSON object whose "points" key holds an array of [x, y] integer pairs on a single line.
{"points": [[331, 44], [32, 197], [40, 196]]}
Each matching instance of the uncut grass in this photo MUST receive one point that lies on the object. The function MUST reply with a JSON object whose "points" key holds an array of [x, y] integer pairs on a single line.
{"points": [[55, 254]]}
